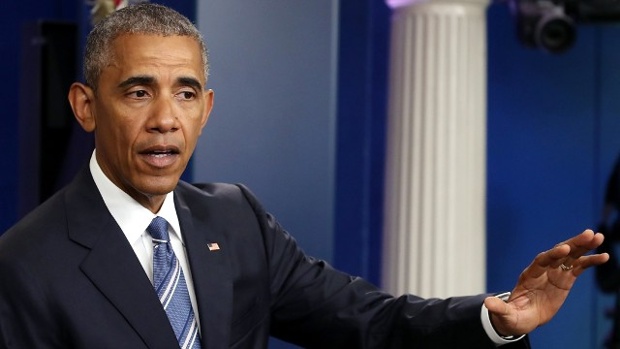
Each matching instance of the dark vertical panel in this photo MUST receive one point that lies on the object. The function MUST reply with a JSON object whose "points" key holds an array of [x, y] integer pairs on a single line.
{"points": [[362, 84], [52, 147], [14, 15]]}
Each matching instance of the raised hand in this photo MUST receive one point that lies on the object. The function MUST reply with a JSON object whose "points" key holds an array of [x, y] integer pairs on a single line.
{"points": [[544, 285]]}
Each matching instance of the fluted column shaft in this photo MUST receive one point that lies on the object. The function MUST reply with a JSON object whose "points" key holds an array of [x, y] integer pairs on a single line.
{"points": [[434, 230]]}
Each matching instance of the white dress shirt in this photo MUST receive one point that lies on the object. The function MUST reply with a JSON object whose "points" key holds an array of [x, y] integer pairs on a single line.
{"points": [[133, 219]]}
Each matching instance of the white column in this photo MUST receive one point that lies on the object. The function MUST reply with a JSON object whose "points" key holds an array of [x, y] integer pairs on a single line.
{"points": [[434, 231]]}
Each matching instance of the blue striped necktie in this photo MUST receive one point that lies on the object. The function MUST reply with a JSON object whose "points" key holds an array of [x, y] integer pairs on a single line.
{"points": [[169, 283]]}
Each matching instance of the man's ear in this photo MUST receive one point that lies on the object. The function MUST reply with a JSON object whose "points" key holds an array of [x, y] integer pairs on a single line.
{"points": [[208, 107], [81, 98]]}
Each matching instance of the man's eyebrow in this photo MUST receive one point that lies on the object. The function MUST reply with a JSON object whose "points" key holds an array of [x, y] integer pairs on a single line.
{"points": [[137, 80], [189, 81]]}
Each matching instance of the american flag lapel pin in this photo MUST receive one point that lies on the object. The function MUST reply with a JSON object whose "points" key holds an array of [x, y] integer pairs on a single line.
{"points": [[213, 246]]}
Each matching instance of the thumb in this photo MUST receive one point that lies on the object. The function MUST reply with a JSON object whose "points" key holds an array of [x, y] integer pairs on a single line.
{"points": [[496, 306], [499, 315]]}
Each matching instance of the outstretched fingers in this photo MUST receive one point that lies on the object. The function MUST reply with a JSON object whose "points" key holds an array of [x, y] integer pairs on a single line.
{"points": [[567, 252], [585, 262], [581, 245], [552, 258]]}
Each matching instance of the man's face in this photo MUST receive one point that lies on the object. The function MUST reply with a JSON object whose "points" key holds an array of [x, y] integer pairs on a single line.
{"points": [[149, 110]]}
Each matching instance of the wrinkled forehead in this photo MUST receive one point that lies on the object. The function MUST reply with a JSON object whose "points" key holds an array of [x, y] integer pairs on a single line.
{"points": [[122, 48], [133, 44], [148, 52]]}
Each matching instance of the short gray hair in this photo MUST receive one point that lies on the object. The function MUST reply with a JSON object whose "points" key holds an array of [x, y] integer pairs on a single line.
{"points": [[143, 18]]}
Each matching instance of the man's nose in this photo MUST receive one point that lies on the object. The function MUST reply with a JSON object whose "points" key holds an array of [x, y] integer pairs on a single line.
{"points": [[164, 117]]}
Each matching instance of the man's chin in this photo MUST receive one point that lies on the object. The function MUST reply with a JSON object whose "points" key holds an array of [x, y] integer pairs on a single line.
{"points": [[157, 186], [159, 189]]}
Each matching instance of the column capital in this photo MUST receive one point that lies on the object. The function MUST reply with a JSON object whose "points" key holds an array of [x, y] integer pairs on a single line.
{"points": [[395, 4]]}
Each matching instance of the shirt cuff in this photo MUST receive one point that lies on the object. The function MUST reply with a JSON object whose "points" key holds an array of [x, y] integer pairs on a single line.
{"points": [[488, 327]]}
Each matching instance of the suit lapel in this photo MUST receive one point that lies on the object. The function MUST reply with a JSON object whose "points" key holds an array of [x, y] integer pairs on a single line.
{"points": [[211, 273], [112, 266]]}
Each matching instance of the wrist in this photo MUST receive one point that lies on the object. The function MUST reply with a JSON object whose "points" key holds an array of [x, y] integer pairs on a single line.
{"points": [[491, 326]]}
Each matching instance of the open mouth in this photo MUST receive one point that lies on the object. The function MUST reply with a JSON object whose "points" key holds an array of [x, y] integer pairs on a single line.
{"points": [[160, 156], [161, 153]]}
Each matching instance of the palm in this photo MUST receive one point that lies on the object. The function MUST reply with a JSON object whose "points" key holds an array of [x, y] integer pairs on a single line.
{"points": [[543, 286]]}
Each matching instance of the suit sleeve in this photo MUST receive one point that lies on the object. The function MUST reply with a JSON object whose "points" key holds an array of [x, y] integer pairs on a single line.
{"points": [[316, 306]]}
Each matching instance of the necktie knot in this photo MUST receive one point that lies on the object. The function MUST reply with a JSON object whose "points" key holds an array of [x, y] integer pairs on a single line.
{"points": [[158, 229]]}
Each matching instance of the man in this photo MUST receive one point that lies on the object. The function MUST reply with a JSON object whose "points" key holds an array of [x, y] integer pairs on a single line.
{"points": [[128, 256]]}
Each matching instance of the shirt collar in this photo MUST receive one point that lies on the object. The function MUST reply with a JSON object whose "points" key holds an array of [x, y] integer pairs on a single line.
{"points": [[132, 218]]}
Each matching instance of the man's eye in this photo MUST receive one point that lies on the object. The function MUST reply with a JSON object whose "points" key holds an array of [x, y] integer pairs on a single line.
{"points": [[187, 95], [138, 94]]}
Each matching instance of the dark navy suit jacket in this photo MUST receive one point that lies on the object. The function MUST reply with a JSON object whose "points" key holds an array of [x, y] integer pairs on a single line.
{"points": [[70, 279]]}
